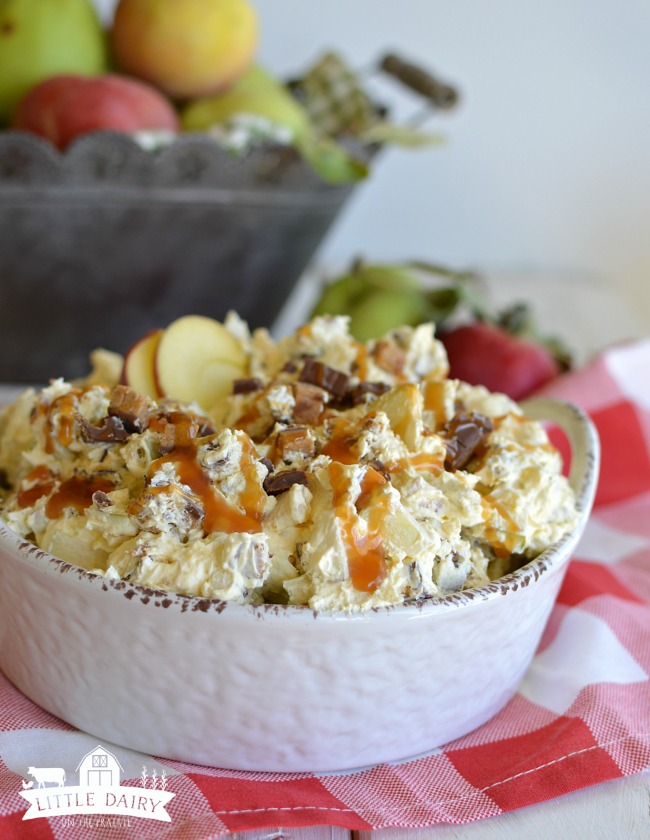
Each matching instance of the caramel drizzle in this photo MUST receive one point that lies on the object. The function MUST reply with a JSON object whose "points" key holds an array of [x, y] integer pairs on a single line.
{"points": [[427, 462], [339, 449], [77, 493], [365, 553], [339, 446], [361, 362], [42, 483], [66, 405], [433, 397], [219, 514], [503, 543]]}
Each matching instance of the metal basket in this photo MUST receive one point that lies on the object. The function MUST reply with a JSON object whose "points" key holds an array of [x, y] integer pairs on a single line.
{"points": [[107, 241]]}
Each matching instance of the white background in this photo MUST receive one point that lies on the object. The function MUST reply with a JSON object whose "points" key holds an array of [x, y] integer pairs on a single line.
{"points": [[545, 175]]}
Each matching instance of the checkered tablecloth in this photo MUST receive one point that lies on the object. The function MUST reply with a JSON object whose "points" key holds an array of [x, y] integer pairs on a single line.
{"points": [[580, 717]]}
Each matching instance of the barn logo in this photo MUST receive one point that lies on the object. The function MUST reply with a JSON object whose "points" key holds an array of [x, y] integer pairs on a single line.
{"points": [[99, 791]]}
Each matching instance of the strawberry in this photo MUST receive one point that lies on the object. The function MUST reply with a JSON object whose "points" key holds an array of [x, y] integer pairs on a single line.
{"points": [[485, 354]]}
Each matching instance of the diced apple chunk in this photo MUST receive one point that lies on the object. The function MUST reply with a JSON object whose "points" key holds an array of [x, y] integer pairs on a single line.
{"points": [[197, 360], [403, 407], [139, 371]]}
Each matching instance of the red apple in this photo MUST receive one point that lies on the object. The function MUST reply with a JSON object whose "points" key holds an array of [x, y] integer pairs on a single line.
{"points": [[63, 108]]}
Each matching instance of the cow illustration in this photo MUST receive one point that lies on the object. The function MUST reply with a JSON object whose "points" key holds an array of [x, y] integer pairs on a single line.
{"points": [[47, 775]]}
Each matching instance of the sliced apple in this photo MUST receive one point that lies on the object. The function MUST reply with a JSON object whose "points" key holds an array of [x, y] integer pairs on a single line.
{"points": [[139, 371], [197, 360]]}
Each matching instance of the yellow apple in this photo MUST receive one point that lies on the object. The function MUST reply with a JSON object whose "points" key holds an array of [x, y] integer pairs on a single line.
{"points": [[188, 48]]}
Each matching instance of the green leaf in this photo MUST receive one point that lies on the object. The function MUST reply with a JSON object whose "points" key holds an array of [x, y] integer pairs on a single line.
{"points": [[400, 135], [330, 160], [442, 270], [517, 320], [443, 302]]}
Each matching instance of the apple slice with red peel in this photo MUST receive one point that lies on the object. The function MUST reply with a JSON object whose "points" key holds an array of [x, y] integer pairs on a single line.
{"points": [[197, 360], [139, 370]]}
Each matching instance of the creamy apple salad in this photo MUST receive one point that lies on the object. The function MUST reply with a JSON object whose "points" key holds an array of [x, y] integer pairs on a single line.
{"points": [[333, 474]]}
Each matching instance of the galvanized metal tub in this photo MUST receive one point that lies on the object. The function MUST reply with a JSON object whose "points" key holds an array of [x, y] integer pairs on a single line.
{"points": [[107, 241]]}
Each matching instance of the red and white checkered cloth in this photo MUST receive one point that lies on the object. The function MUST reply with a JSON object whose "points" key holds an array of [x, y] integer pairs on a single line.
{"points": [[581, 716]]}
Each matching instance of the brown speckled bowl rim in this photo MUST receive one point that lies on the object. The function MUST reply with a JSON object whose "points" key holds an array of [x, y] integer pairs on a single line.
{"points": [[554, 558]]}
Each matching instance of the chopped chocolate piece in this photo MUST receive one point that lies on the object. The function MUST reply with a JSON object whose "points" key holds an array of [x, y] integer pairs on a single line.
{"points": [[205, 429], [133, 409], [331, 380], [4, 480], [111, 431], [290, 367], [357, 393], [389, 356], [310, 400], [465, 433], [282, 481], [268, 463], [247, 386], [101, 500], [295, 439]]}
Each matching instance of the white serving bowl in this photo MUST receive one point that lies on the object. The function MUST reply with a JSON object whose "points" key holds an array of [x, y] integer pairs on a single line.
{"points": [[278, 688]]}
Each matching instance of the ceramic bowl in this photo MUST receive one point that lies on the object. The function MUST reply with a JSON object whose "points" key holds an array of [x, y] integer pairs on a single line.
{"points": [[278, 688]]}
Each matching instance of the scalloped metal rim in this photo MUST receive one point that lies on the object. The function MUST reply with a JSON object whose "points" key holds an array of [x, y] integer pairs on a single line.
{"points": [[191, 161]]}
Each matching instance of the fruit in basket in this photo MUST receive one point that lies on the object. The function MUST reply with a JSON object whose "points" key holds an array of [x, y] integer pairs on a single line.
{"points": [[188, 49], [41, 39], [257, 92], [65, 107]]}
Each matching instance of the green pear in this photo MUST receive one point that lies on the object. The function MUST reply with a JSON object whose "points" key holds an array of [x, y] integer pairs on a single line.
{"points": [[377, 298], [43, 38], [256, 92], [340, 297], [382, 311]]}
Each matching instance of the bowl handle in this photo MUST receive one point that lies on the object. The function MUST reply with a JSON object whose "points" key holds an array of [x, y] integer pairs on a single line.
{"points": [[583, 439]]}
